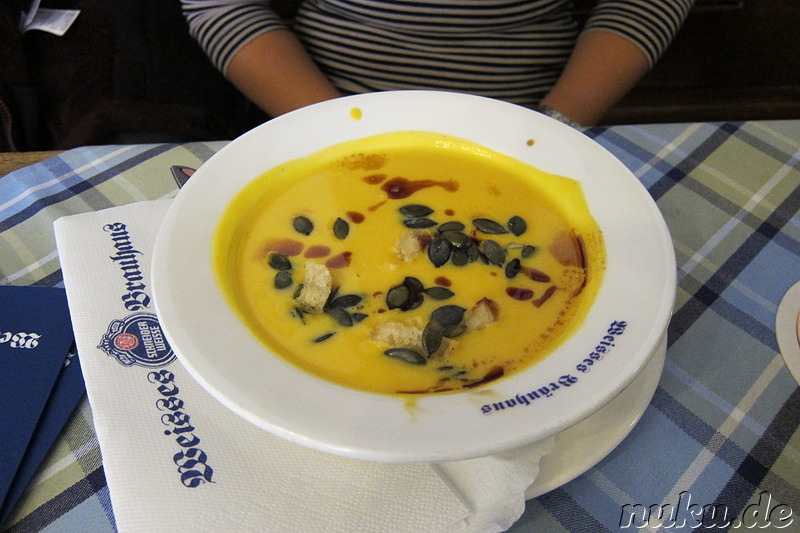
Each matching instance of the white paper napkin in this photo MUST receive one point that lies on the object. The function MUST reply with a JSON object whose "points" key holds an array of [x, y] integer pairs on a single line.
{"points": [[176, 459]]}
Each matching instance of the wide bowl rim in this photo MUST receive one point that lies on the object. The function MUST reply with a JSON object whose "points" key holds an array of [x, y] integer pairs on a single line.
{"points": [[312, 412]]}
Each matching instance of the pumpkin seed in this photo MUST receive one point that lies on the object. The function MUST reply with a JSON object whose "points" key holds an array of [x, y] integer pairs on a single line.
{"points": [[358, 317], [489, 226], [460, 257], [341, 228], [324, 337], [527, 251], [303, 225], [415, 210], [397, 297], [453, 225], [439, 251], [279, 261], [473, 253], [512, 268], [517, 225], [494, 253], [406, 355], [414, 301], [333, 294], [457, 239], [341, 316], [439, 293], [454, 331], [283, 279], [414, 285], [448, 315], [445, 368], [348, 300], [418, 223], [432, 337]]}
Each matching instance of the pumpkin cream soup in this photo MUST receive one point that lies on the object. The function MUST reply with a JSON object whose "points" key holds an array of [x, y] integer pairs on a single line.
{"points": [[410, 262]]}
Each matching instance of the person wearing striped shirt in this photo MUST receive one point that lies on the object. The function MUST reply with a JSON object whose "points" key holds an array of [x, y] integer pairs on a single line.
{"points": [[528, 52]]}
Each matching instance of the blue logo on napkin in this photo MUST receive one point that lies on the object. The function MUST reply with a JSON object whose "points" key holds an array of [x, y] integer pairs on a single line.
{"points": [[137, 340]]}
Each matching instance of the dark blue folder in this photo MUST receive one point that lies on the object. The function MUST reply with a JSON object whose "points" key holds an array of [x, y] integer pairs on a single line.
{"points": [[35, 337]]}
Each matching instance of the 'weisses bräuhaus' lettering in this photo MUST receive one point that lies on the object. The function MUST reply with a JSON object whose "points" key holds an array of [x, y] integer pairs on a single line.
{"points": [[137, 340], [603, 348], [135, 298]]}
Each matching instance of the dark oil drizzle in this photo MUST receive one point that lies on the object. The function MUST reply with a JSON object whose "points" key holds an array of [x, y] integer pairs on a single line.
{"points": [[288, 247], [399, 187], [535, 275], [495, 373], [544, 297], [355, 217], [339, 261], [519, 293], [318, 250], [581, 251], [375, 179]]}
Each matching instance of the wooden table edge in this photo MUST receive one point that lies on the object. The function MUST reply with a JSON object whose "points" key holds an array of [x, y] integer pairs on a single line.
{"points": [[11, 161]]}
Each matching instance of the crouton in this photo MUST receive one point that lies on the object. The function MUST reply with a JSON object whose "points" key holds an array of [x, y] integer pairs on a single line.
{"points": [[400, 335], [397, 335], [412, 243], [482, 314], [316, 289], [447, 347]]}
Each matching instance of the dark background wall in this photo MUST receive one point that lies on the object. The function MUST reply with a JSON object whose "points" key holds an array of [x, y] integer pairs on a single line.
{"points": [[732, 60], [127, 71]]}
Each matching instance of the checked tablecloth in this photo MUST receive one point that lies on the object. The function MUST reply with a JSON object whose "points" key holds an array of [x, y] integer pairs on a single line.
{"points": [[723, 428]]}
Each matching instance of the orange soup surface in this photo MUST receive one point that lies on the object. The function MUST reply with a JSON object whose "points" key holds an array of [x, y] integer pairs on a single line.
{"points": [[410, 263]]}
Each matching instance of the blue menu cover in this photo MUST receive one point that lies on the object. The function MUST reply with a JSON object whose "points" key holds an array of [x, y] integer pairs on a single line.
{"points": [[35, 336], [67, 392]]}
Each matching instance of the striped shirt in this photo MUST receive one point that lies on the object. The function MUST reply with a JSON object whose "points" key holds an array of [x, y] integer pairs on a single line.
{"points": [[513, 50]]}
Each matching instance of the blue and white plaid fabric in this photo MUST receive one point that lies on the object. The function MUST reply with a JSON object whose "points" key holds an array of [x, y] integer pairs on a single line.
{"points": [[717, 449]]}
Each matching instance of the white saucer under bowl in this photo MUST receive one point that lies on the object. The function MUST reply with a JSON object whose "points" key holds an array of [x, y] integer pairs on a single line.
{"points": [[582, 446]]}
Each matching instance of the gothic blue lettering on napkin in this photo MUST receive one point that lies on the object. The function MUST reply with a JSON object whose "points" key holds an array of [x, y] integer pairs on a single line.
{"points": [[138, 340], [35, 336], [126, 257], [191, 460]]}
